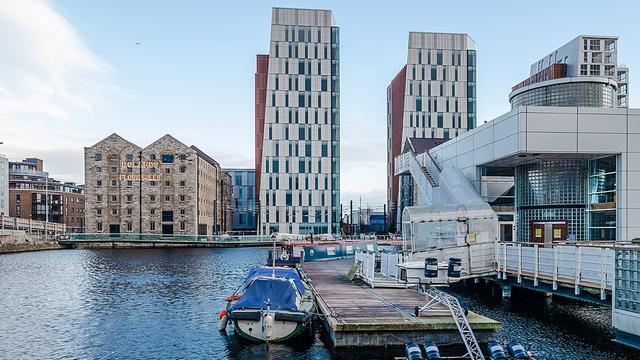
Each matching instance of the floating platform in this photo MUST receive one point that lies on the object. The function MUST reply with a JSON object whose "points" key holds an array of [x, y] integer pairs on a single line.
{"points": [[356, 315]]}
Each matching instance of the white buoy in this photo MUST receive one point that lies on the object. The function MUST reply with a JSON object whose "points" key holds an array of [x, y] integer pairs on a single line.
{"points": [[268, 326], [224, 319]]}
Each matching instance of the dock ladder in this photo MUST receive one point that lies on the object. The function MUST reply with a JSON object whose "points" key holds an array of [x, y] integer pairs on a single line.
{"points": [[451, 302]]}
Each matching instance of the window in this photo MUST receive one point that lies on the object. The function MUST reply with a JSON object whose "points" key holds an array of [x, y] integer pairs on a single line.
{"points": [[167, 171], [114, 169], [167, 198], [584, 69], [182, 157], [99, 198], [594, 70], [114, 211], [183, 212], [152, 211], [594, 44], [153, 183], [114, 183], [152, 226], [98, 157], [129, 198], [114, 198], [99, 212], [152, 198], [129, 157], [167, 216], [129, 226], [129, 183], [183, 198], [153, 157], [99, 183], [129, 211], [167, 158], [183, 183], [167, 183], [114, 157], [183, 169], [99, 226], [98, 169], [183, 225]]}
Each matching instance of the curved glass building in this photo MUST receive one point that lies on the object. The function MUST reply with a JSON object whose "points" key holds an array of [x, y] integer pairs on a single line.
{"points": [[590, 91]]}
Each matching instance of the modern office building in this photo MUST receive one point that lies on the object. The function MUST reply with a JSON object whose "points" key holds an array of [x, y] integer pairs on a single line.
{"points": [[433, 97], [33, 194], [297, 124], [243, 200], [4, 185], [164, 188], [584, 72]]}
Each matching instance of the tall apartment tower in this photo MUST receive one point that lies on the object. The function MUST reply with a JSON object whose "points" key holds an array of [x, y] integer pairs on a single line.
{"points": [[297, 118], [592, 56], [432, 97]]}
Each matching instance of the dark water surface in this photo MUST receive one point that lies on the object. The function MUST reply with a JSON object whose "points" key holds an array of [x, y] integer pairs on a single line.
{"points": [[163, 304]]}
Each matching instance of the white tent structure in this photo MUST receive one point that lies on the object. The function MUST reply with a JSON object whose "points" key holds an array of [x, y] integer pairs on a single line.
{"points": [[437, 226]]}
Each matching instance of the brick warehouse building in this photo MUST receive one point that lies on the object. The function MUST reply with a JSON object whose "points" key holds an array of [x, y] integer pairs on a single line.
{"points": [[164, 188], [34, 195]]}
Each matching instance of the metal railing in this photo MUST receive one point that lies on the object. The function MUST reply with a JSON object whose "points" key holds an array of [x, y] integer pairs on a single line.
{"points": [[174, 238], [30, 226], [577, 265], [368, 268]]}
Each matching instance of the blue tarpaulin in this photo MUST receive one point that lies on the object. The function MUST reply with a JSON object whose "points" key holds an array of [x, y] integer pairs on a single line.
{"points": [[279, 292], [280, 273]]}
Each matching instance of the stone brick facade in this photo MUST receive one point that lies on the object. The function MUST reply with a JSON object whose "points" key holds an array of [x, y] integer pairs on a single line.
{"points": [[164, 188]]}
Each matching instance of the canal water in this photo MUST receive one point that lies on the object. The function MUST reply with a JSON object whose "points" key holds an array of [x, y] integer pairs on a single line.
{"points": [[163, 304]]}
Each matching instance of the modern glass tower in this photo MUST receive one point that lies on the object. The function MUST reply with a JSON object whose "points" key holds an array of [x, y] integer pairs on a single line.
{"points": [[298, 125], [432, 97]]}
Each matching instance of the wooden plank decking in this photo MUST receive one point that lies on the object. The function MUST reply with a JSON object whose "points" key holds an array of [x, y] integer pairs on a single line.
{"points": [[357, 315]]}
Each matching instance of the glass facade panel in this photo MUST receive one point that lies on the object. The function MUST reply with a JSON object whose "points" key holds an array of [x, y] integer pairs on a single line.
{"points": [[581, 94], [602, 198], [552, 191]]}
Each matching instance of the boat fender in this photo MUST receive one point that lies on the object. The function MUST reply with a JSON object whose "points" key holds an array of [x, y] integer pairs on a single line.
{"points": [[517, 350], [268, 326], [431, 350], [496, 351], [413, 351], [224, 319]]}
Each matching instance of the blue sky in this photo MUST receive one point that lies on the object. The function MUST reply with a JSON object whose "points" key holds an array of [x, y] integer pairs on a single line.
{"points": [[71, 73]]}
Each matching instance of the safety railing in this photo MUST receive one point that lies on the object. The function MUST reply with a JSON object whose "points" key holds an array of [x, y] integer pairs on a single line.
{"points": [[575, 265], [389, 264], [173, 238], [367, 270]]}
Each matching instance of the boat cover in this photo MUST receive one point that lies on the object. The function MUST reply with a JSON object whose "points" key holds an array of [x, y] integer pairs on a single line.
{"points": [[279, 292], [280, 273]]}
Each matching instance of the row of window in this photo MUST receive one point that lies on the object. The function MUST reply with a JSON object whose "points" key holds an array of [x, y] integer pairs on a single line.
{"points": [[599, 44], [129, 183], [289, 50], [306, 116], [129, 226], [303, 182], [166, 158], [303, 215], [306, 83], [304, 99], [433, 88], [301, 33], [305, 165], [594, 70], [305, 132], [152, 198]]}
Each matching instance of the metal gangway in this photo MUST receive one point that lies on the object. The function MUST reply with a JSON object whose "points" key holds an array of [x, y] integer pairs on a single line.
{"points": [[459, 317]]}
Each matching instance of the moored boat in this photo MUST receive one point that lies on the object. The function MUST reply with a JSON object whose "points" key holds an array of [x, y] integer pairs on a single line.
{"points": [[274, 304]]}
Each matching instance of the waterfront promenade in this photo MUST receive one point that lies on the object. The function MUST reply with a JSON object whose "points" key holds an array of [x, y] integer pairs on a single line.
{"points": [[356, 315]]}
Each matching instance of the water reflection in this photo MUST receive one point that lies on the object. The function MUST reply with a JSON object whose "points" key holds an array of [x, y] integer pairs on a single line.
{"points": [[163, 303]]}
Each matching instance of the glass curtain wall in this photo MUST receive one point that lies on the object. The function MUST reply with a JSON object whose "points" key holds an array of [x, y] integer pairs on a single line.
{"points": [[602, 198]]}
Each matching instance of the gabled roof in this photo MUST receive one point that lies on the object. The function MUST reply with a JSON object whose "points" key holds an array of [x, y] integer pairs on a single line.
{"points": [[167, 136], [204, 156], [420, 145], [119, 138]]}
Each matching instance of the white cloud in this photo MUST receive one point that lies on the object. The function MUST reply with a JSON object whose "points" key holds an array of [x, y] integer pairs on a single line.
{"points": [[48, 80]]}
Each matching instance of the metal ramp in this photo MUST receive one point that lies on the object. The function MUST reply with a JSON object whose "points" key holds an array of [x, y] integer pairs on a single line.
{"points": [[457, 312]]}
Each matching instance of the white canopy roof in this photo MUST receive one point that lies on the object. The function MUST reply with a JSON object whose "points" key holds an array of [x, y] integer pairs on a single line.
{"points": [[431, 213]]}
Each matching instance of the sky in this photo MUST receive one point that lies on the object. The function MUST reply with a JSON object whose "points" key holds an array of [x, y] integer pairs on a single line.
{"points": [[72, 71]]}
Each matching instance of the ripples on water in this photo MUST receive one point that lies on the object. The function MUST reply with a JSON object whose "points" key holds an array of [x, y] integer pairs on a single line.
{"points": [[163, 303]]}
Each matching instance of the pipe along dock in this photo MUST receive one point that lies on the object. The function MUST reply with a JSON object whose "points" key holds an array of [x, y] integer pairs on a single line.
{"points": [[356, 315]]}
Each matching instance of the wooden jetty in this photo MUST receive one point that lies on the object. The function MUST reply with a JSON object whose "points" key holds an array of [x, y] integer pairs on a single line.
{"points": [[356, 315]]}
